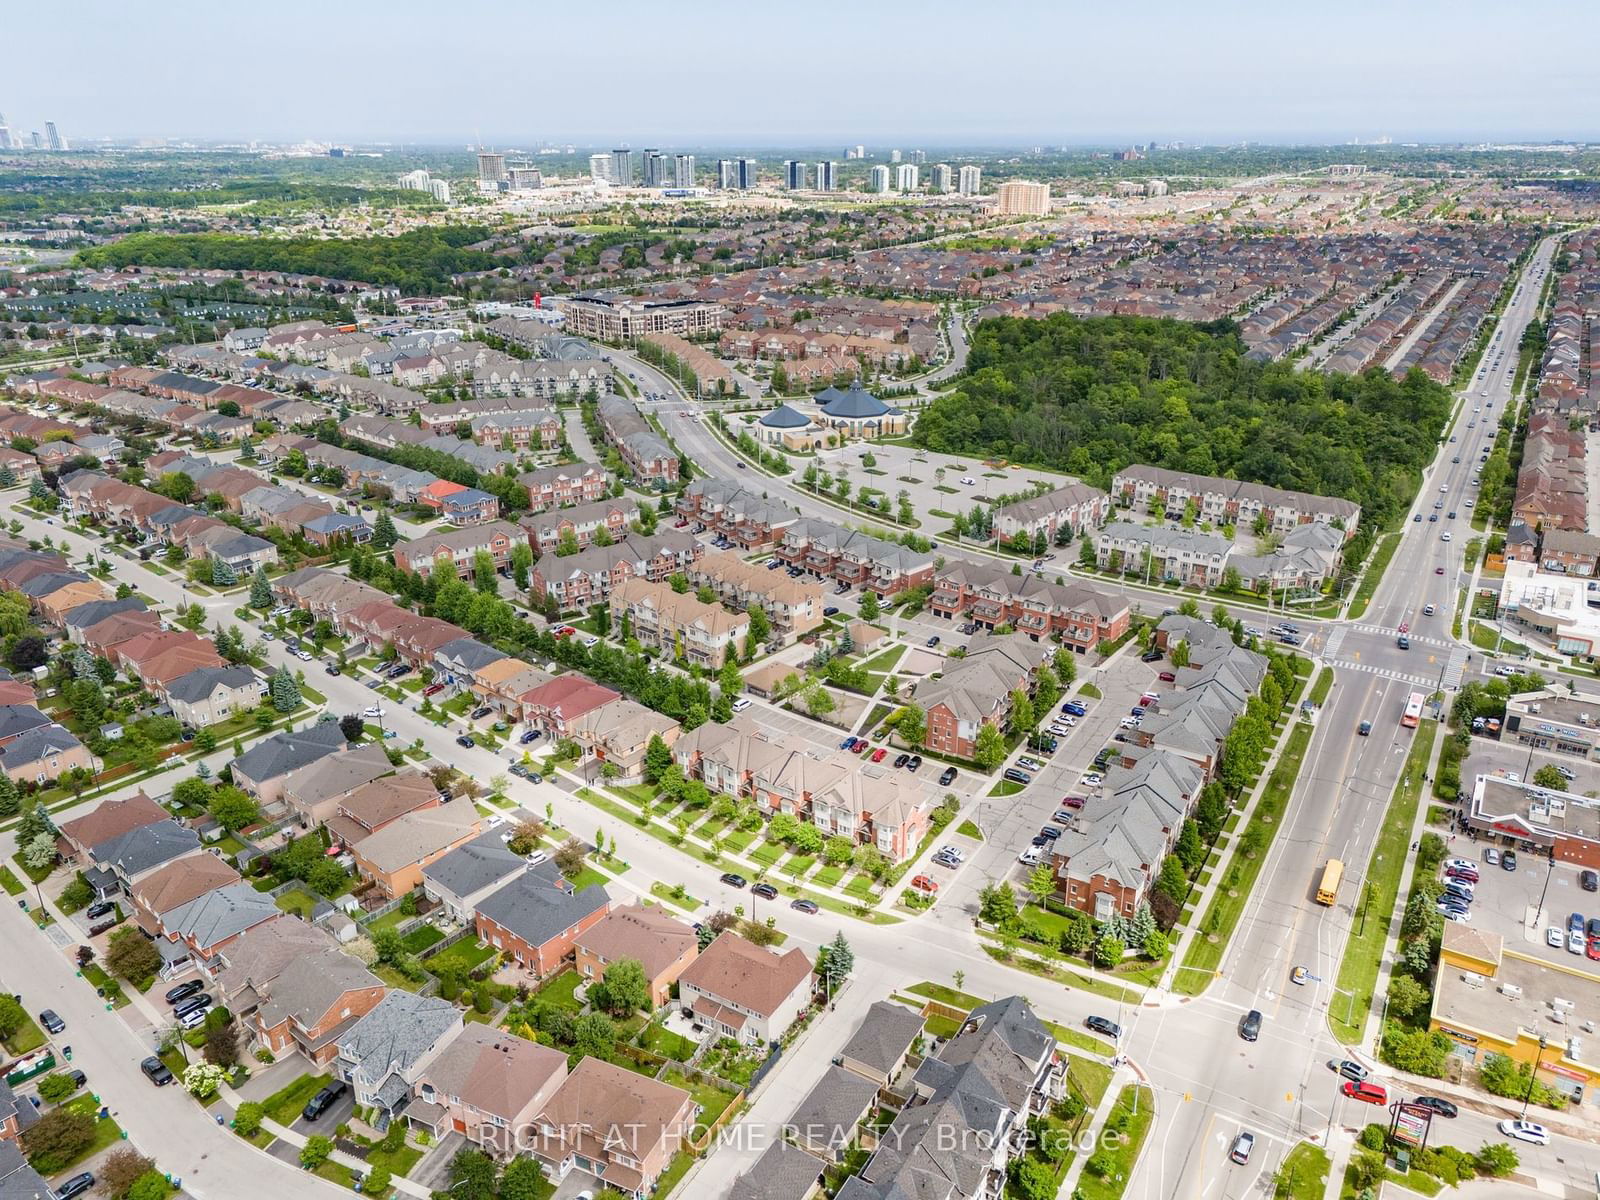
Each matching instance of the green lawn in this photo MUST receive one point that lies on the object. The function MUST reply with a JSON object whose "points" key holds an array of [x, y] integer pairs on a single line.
{"points": [[739, 839], [1305, 1172], [284, 1105], [1089, 690], [799, 865], [1322, 686], [26, 1039], [297, 902], [945, 995], [106, 1131], [1131, 1116], [685, 902], [1376, 565], [1089, 1079], [466, 955], [1249, 855], [10, 882], [399, 1163], [587, 876], [559, 991], [1358, 972], [1080, 1040], [712, 1100], [828, 877], [421, 938], [768, 853], [968, 829], [1006, 787], [660, 1040], [335, 1173], [396, 980]]}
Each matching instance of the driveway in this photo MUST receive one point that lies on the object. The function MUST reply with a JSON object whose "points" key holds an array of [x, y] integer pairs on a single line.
{"points": [[340, 1112], [433, 1168]]}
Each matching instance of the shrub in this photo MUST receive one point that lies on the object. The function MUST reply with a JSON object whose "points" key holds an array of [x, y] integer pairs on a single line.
{"points": [[56, 1088], [1373, 1137], [247, 1119], [152, 1185], [58, 1138], [317, 1150], [1497, 1159]]}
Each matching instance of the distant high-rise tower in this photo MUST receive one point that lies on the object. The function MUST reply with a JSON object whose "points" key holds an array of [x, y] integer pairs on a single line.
{"points": [[969, 181], [747, 173], [53, 138], [905, 177], [683, 171], [1020, 198], [600, 168], [36, 141], [941, 177], [622, 168], [894, 156], [727, 173], [653, 163], [440, 189], [827, 175], [880, 178], [5, 134], [491, 168], [794, 175], [919, 156]]}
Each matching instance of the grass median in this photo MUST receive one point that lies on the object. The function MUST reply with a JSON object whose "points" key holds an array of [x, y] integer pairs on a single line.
{"points": [[1106, 1174], [1373, 576], [1358, 970], [1210, 943]]}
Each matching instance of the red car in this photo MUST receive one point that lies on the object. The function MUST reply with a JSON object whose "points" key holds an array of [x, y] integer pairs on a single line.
{"points": [[1438, 570], [1367, 1093], [433, 689], [1405, 627], [563, 631], [923, 884], [862, 745], [879, 754], [1594, 949], [1167, 677]]}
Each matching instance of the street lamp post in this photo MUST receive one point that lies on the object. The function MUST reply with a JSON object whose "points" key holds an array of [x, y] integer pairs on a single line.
{"points": [[1532, 1075]]}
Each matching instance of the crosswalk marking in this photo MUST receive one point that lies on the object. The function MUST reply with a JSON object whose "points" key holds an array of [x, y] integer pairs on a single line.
{"points": [[1416, 639], [1385, 673]]}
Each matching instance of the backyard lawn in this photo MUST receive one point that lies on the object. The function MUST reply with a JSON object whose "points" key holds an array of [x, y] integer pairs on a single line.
{"points": [[297, 903], [658, 1039], [26, 1039], [712, 1100], [466, 956], [559, 991]]}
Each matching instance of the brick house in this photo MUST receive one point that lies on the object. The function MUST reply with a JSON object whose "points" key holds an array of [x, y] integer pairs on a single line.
{"points": [[536, 917]]}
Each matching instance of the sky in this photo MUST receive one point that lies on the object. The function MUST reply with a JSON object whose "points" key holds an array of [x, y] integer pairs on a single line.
{"points": [[761, 74]]}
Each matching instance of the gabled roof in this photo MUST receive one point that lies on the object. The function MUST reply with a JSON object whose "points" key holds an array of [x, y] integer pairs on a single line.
{"points": [[393, 1036], [113, 818], [281, 753], [739, 972], [221, 914], [494, 1071], [481, 863], [536, 909]]}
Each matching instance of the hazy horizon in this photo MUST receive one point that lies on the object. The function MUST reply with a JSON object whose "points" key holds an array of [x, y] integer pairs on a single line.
{"points": [[717, 74]]}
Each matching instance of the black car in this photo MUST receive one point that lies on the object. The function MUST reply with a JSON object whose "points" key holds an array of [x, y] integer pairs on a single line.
{"points": [[947, 777], [193, 1004], [466, 741], [1039, 839], [1150, 656], [333, 669], [1250, 1026], [765, 890], [914, 763], [518, 770], [76, 1186], [933, 641], [805, 906], [1508, 860], [156, 1071], [1440, 1107], [183, 991], [51, 1021], [323, 1100], [99, 909], [1050, 831], [733, 879], [1589, 881], [78, 1078], [479, 713], [901, 760], [1104, 1025]]}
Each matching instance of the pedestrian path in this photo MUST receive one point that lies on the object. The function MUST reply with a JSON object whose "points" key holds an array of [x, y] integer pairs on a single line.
{"points": [[1417, 639]]}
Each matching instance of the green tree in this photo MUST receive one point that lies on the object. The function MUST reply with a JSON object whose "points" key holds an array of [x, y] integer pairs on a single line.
{"points": [[59, 1137], [997, 904], [593, 1036], [472, 1176], [989, 750], [911, 723], [1108, 952], [233, 808], [1022, 716], [317, 1150], [837, 959], [1406, 996], [247, 1118], [1548, 777], [384, 534], [521, 565], [870, 610], [523, 1179], [657, 758], [626, 988], [1042, 882], [284, 691], [13, 1016], [1497, 1159]]}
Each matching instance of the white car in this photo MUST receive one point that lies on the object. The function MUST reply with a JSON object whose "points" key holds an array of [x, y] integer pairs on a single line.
{"points": [[373, 710], [591, 640], [303, 655], [1525, 1131], [1445, 536], [1092, 779], [1460, 864], [969, 481], [1068, 722], [1030, 857], [1030, 764], [742, 703], [1553, 938], [955, 852]]}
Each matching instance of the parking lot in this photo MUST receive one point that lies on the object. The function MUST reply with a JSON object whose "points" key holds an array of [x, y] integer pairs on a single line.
{"points": [[1522, 905]]}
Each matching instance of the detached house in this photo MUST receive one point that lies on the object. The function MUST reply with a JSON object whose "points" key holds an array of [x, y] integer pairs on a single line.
{"points": [[615, 1124], [536, 917], [487, 1085], [743, 991]]}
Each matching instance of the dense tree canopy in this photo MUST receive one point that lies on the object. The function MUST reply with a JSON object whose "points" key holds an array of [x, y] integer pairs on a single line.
{"points": [[420, 261], [1090, 396]]}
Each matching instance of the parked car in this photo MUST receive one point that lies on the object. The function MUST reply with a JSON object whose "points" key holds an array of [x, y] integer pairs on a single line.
{"points": [[914, 763], [1104, 1026], [530, 735], [923, 883], [76, 1186], [735, 880], [1016, 776], [901, 760], [465, 741], [52, 1021], [433, 689], [324, 1100], [765, 890], [99, 909], [156, 1071], [948, 776], [184, 990], [1508, 860], [880, 754], [1151, 655], [481, 711], [805, 906], [1589, 881]]}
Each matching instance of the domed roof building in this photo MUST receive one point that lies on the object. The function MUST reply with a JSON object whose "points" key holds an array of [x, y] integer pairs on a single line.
{"points": [[788, 426], [856, 412]]}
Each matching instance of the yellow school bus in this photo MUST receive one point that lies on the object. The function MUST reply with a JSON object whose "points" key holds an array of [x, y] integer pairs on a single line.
{"points": [[1328, 889]]}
